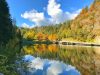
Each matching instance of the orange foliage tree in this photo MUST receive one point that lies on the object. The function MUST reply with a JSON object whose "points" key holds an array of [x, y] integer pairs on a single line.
{"points": [[52, 37], [40, 36]]}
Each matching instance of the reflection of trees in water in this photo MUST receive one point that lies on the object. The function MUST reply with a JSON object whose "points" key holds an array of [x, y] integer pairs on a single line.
{"points": [[97, 50], [40, 49], [97, 60], [81, 57]]}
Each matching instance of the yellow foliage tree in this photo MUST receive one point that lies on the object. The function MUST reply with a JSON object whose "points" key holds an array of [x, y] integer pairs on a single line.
{"points": [[29, 35]]}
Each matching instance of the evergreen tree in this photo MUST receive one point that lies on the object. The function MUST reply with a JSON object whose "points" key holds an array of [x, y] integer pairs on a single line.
{"points": [[5, 22]]}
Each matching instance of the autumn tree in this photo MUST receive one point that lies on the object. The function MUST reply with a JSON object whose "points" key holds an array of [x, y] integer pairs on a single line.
{"points": [[29, 35], [40, 36], [52, 37], [84, 10], [92, 7]]}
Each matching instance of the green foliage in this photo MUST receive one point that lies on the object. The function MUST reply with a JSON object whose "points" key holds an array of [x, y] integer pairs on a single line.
{"points": [[5, 22], [10, 41], [8, 55]]}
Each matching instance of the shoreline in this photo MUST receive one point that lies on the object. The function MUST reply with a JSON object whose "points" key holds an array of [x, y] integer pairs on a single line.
{"points": [[76, 43], [62, 42]]}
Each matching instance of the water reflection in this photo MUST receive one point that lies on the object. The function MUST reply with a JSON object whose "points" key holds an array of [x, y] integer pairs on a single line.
{"points": [[83, 58], [97, 50], [38, 66], [40, 48]]}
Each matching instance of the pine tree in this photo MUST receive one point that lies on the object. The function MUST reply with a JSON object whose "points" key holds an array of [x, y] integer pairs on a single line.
{"points": [[5, 22]]}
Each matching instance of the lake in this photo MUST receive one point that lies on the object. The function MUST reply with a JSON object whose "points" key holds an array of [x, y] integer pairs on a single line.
{"points": [[52, 59]]}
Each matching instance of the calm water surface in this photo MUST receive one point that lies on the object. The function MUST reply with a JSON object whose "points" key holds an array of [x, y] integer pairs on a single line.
{"points": [[59, 60]]}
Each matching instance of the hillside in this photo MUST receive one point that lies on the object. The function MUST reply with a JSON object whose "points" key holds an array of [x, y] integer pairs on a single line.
{"points": [[85, 27], [87, 24]]}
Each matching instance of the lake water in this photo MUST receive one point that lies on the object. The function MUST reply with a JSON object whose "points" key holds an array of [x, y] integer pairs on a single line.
{"points": [[59, 60]]}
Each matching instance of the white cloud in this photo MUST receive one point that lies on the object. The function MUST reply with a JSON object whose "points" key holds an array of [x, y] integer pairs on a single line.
{"points": [[57, 15], [53, 8], [56, 68], [54, 11], [33, 15], [72, 15], [24, 25], [37, 64], [36, 17]]}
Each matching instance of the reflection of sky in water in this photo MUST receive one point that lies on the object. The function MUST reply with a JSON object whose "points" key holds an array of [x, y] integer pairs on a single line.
{"points": [[37, 66]]}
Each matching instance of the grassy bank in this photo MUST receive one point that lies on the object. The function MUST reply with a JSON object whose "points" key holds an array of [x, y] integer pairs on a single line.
{"points": [[8, 55]]}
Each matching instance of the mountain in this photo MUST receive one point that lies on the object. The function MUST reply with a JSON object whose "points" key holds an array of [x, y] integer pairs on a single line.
{"points": [[87, 24]]}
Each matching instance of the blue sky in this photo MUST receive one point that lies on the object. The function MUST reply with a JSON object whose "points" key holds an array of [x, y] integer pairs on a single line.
{"points": [[30, 13]]}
